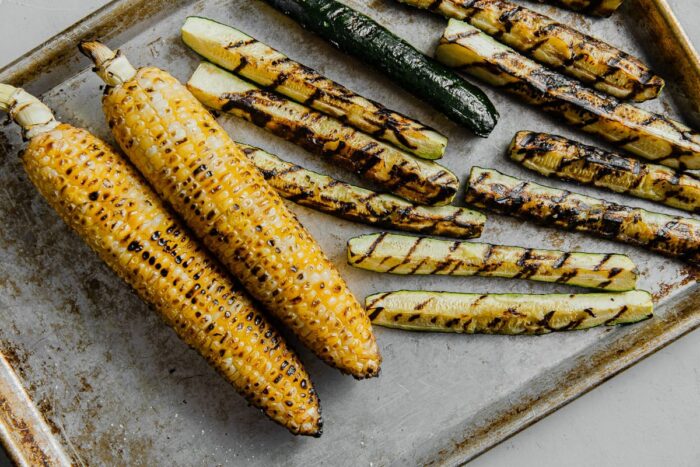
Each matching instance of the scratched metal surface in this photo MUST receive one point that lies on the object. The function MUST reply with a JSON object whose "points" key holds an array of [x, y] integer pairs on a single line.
{"points": [[117, 386]]}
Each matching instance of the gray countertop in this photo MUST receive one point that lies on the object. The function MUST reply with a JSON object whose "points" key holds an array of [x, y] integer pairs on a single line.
{"points": [[649, 415]]}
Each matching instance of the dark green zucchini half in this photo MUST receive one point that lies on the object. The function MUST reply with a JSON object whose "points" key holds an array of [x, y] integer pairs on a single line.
{"points": [[638, 131], [401, 254], [508, 314], [556, 45], [674, 236], [357, 204], [361, 36], [415, 179], [558, 157]]}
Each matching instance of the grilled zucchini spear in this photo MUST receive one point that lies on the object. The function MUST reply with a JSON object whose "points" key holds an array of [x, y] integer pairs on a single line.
{"points": [[640, 132], [561, 47], [351, 202], [603, 8], [116, 213], [417, 180], [235, 51], [555, 156], [674, 236], [361, 36], [194, 165], [509, 314], [401, 254]]}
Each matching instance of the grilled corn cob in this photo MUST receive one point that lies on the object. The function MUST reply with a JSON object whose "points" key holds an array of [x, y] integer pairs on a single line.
{"points": [[401, 254], [110, 206], [561, 47], [417, 180], [603, 8], [351, 202], [643, 133], [233, 50], [554, 156], [674, 236], [194, 165], [509, 314]]}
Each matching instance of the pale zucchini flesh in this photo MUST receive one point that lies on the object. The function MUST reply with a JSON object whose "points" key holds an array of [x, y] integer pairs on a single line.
{"points": [[638, 131], [415, 179], [674, 236], [346, 201], [509, 314], [236, 51], [402, 254], [554, 44], [558, 157]]}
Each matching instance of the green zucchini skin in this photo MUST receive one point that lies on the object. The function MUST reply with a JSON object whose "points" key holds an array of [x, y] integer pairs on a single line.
{"points": [[556, 45], [235, 51], [359, 35], [402, 254], [357, 204], [674, 236], [412, 178], [602, 8], [636, 130], [562, 158], [508, 314]]}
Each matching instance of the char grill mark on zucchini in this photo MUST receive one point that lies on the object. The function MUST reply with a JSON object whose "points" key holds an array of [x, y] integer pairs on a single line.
{"points": [[415, 179], [359, 35], [603, 8], [555, 156], [674, 236], [556, 45], [350, 202], [233, 50], [401, 254], [509, 314], [643, 133]]}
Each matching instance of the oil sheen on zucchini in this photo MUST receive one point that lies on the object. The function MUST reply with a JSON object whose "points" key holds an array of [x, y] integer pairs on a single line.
{"points": [[235, 51], [401, 254], [358, 35], [640, 132], [674, 236], [555, 156], [556, 45], [509, 314], [357, 204], [415, 179]]}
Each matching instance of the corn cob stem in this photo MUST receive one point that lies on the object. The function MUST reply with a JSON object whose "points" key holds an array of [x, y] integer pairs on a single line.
{"points": [[351, 202], [191, 161], [30, 114], [113, 67], [102, 197]]}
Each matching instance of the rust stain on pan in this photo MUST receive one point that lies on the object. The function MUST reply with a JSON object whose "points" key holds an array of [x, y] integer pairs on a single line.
{"points": [[23, 432]]}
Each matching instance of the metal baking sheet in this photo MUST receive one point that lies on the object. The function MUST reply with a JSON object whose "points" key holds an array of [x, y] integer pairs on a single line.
{"points": [[116, 386]]}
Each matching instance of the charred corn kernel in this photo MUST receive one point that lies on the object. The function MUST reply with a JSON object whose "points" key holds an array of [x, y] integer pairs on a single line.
{"points": [[554, 44], [191, 161], [110, 206]]}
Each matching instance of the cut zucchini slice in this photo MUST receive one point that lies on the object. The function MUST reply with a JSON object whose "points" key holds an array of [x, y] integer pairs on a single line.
{"points": [[674, 236], [235, 51], [401, 254], [638, 131], [555, 156], [509, 314], [415, 179], [357, 204]]}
